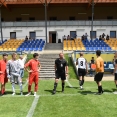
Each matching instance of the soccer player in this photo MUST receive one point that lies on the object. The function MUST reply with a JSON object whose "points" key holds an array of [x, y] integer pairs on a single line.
{"points": [[3, 74], [13, 72], [21, 63], [82, 69], [99, 72], [115, 69], [61, 71], [34, 67]]}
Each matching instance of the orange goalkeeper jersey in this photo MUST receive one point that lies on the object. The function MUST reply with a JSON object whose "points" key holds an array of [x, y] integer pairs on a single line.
{"points": [[99, 65]]}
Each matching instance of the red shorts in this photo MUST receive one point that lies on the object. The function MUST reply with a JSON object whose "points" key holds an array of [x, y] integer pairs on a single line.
{"points": [[33, 77], [3, 78]]}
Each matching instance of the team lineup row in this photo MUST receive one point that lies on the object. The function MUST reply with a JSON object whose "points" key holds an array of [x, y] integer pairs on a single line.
{"points": [[14, 69]]}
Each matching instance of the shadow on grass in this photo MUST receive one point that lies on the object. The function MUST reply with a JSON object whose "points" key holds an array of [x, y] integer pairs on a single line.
{"points": [[108, 91], [8, 92], [86, 92], [50, 91], [114, 89]]}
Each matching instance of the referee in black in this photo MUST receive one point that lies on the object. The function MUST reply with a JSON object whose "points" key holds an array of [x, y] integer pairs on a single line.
{"points": [[61, 71]]}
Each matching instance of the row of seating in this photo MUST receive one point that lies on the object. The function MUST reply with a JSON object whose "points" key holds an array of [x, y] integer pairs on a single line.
{"points": [[11, 45], [112, 43], [32, 45], [98, 48], [73, 45]]}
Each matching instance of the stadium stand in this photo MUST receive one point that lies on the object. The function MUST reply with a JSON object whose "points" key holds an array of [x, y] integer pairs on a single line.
{"points": [[96, 45], [11, 45], [32, 45], [75, 44], [112, 42]]}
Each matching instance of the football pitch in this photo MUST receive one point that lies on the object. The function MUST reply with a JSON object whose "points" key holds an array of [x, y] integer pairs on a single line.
{"points": [[72, 103]]}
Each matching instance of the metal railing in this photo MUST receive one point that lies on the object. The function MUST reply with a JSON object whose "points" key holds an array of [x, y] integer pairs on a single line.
{"points": [[60, 23]]}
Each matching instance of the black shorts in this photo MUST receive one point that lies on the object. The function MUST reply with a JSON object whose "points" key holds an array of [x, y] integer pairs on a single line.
{"points": [[60, 75], [115, 76], [98, 76], [81, 72]]}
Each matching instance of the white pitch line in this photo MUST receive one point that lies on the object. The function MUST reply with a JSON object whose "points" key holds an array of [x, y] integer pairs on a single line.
{"points": [[69, 83], [34, 104], [25, 84]]}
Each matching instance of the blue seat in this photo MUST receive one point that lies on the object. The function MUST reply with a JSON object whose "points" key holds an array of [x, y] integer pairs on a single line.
{"points": [[26, 49], [30, 49], [100, 48], [109, 62], [105, 49], [18, 49], [40, 49], [87, 48], [105, 62], [108, 48]]}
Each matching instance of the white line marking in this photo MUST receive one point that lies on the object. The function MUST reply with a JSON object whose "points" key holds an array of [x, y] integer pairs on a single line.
{"points": [[34, 104], [25, 84], [69, 83]]}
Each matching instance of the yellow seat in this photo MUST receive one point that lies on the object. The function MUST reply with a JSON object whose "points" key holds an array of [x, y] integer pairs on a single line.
{"points": [[9, 49], [1, 49], [5, 49], [70, 48], [78, 48], [74, 48], [65, 48], [14, 49], [83, 48]]}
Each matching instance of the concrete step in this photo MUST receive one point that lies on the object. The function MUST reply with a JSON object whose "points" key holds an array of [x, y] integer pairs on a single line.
{"points": [[47, 76], [42, 69], [54, 46], [47, 62], [45, 73]]}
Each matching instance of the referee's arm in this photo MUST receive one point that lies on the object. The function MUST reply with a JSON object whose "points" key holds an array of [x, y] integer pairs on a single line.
{"points": [[66, 69]]}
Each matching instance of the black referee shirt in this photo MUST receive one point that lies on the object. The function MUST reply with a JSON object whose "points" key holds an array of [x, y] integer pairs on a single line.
{"points": [[60, 65]]}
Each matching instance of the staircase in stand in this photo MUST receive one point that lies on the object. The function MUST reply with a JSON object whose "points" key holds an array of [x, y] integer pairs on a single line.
{"points": [[47, 62]]}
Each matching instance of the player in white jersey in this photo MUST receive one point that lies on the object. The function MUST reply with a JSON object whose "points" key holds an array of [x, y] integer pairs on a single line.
{"points": [[82, 69]]}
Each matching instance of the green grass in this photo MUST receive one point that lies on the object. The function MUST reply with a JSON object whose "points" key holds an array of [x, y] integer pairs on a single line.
{"points": [[75, 102], [72, 103], [72, 74]]}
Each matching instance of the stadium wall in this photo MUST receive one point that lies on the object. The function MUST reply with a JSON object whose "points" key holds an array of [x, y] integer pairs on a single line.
{"points": [[21, 32]]}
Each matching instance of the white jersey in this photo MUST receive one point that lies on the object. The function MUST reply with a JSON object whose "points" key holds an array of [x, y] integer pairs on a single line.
{"points": [[82, 63]]}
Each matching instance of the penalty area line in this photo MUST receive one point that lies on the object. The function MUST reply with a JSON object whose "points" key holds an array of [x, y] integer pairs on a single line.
{"points": [[69, 84], [32, 108]]}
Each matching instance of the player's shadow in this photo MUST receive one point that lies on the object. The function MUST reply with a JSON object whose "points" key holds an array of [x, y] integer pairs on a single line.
{"points": [[86, 92], [114, 90], [50, 91], [8, 92], [108, 91], [71, 87]]}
